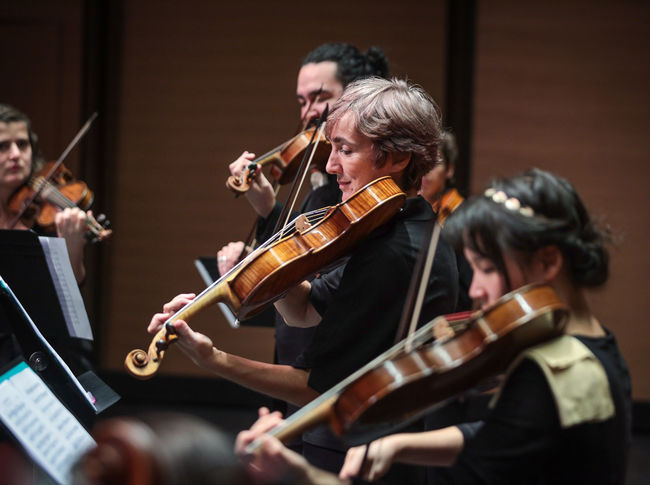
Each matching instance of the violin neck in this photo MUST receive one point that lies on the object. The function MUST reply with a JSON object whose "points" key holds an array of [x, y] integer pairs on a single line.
{"points": [[272, 156], [217, 292], [316, 412], [320, 409], [295, 424]]}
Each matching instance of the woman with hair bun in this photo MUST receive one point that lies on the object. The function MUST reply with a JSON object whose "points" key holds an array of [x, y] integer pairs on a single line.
{"points": [[563, 413]]}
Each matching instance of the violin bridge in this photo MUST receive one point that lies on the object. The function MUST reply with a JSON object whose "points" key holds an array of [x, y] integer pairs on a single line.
{"points": [[302, 224]]}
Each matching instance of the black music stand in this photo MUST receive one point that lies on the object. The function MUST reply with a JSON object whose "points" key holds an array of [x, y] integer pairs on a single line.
{"points": [[24, 269]]}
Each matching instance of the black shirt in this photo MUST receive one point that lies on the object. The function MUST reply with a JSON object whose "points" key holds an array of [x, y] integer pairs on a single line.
{"points": [[360, 318], [522, 442]]}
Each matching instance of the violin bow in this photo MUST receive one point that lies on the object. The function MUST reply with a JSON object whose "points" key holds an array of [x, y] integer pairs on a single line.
{"points": [[302, 172], [417, 288], [84, 129], [303, 124], [414, 299], [250, 240]]}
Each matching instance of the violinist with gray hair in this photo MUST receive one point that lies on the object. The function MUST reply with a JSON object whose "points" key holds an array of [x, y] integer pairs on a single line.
{"points": [[377, 128]]}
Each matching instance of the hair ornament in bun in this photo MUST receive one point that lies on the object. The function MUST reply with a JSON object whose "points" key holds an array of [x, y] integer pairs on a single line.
{"points": [[510, 203]]}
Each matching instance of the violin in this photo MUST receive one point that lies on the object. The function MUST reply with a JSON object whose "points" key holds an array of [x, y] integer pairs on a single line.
{"points": [[284, 161], [61, 190], [447, 204], [401, 385], [310, 243]]}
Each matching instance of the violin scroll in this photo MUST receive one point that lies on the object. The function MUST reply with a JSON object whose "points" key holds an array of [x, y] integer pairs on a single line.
{"points": [[143, 365], [283, 160], [99, 228], [241, 184]]}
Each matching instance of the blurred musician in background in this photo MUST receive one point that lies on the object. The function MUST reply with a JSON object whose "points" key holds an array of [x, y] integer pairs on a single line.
{"points": [[438, 185], [20, 158]]}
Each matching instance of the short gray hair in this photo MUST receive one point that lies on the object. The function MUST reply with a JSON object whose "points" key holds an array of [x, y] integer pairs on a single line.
{"points": [[399, 117]]}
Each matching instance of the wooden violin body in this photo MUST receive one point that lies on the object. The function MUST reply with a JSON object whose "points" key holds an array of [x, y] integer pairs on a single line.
{"points": [[267, 273], [437, 371], [58, 192], [283, 161], [447, 204], [399, 386], [296, 257]]}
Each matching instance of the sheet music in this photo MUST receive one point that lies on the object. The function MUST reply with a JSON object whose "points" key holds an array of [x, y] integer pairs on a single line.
{"points": [[74, 311], [208, 279], [49, 433], [39, 335]]}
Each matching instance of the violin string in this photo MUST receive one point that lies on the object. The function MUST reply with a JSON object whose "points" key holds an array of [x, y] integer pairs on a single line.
{"points": [[463, 318], [306, 169], [54, 195], [291, 229], [55, 167], [423, 335], [50, 192]]}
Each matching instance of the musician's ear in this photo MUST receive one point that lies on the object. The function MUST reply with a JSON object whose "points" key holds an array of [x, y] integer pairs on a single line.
{"points": [[451, 170], [399, 161], [550, 261]]}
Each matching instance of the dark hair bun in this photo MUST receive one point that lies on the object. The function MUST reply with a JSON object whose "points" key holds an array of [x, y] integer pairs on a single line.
{"points": [[588, 257], [560, 219], [377, 62]]}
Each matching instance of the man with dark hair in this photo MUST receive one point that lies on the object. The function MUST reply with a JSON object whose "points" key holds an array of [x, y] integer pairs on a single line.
{"points": [[328, 69], [323, 75]]}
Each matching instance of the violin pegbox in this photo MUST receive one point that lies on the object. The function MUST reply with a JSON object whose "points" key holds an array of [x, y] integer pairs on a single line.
{"points": [[99, 229]]}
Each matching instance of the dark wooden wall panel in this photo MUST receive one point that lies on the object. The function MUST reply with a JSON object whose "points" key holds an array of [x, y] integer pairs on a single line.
{"points": [[200, 82], [564, 86], [41, 74], [559, 85]]}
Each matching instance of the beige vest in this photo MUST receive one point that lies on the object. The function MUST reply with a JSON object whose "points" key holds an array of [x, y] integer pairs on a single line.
{"points": [[576, 377]]}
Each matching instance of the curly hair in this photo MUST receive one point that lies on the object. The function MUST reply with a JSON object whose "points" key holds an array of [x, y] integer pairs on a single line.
{"points": [[351, 64]]}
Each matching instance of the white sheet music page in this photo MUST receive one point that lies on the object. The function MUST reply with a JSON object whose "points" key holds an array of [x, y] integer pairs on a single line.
{"points": [[48, 432], [72, 304]]}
